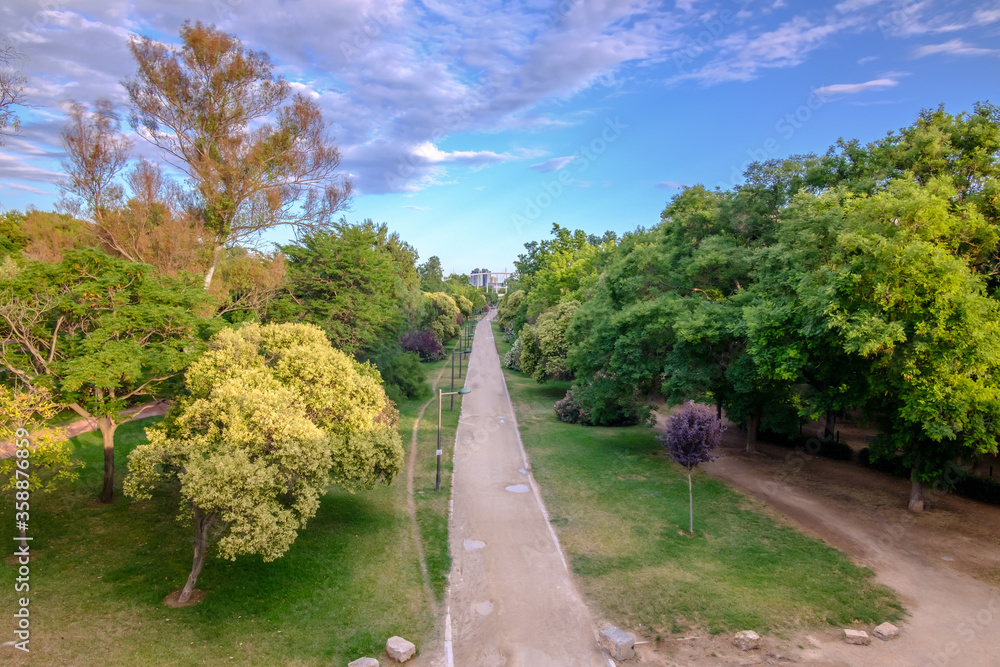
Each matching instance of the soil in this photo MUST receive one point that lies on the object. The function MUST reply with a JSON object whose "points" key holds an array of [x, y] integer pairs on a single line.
{"points": [[944, 563], [196, 597]]}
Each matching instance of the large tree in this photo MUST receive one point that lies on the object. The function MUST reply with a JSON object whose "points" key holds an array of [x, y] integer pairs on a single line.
{"points": [[274, 414], [256, 155], [101, 334]]}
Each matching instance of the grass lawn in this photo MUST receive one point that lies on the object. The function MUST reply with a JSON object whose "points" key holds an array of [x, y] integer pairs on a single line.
{"points": [[618, 504], [351, 579]]}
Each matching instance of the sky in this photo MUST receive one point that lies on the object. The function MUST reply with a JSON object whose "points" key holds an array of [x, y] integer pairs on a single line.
{"points": [[471, 127]]}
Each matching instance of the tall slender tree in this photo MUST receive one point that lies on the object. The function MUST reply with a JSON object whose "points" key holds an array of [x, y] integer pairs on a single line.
{"points": [[256, 155]]}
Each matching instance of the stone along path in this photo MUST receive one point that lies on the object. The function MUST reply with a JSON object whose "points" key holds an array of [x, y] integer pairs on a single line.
{"points": [[511, 599]]}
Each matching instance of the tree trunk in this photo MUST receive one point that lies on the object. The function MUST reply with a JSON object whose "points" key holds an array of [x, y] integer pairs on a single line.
{"points": [[216, 256], [830, 425], [690, 504], [752, 425], [916, 491], [202, 525], [108, 428]]}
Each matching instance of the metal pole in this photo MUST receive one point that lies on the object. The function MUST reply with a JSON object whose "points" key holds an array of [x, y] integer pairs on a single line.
{"points": [[453, 379], [461, 353], [437, 482]]}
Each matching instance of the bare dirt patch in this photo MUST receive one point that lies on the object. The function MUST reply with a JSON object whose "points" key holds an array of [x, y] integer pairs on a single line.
{"points": [[944, 563]]}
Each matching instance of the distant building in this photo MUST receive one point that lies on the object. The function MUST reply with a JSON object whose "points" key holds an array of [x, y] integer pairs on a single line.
{"points": [[496, 281]]}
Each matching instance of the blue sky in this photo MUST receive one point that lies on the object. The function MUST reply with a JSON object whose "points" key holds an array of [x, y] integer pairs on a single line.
{"points": [[470, 127]]}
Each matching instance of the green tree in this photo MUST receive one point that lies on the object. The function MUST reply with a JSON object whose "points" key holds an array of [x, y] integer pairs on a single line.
{"points": [[206, 106], [101, 334], [442, 316], [544, 344], [348, 282], [273, 416], [431, 275]]}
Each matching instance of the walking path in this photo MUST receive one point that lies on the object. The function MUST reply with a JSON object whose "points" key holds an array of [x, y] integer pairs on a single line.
{"points": [[511, 599]]}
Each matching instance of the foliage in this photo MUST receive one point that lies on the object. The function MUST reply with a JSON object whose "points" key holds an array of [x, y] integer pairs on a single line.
{"points": [[545, 345], [692, 434], [101, 334], [207, 105], [353, 281], [402, 375], [273, 416], [509, 310], [425, 344], [248, 283], [569, 410], [512, 359], [442, 316], [47, 236], [431, 275], [812, 446], [22, 412]]}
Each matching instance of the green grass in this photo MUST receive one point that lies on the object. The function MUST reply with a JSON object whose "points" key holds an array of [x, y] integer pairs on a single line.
{"points": [[431, 506], [618, 504], [351, 579]]}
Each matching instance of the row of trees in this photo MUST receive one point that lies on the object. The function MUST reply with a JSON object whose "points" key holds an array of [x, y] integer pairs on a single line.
{"points": [[863, 278], [282, 366]]}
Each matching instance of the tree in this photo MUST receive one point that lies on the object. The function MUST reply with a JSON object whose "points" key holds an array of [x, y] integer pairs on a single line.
{"points": [[11, 89], [274, 415], [257, 156], [349, 282], [692, 433], [101, 334], [22, 412], [431, 275], [442, 316], [96, 153], [544, 344]]}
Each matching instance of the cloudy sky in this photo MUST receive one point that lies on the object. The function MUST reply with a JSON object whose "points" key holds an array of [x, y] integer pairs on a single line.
{"points": [[470, 127]]}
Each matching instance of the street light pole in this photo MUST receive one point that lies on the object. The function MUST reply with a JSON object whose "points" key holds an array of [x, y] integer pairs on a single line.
{"points": [[441, 394]]}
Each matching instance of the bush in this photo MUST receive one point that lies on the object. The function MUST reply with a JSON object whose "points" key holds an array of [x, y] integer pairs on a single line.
{"points": [[831, 449], [512, 359], [892, 466], [403, 377], [569, 410], [509, 335], [983, 489], [425, 344]]}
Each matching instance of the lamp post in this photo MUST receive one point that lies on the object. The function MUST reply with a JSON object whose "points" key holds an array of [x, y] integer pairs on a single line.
{"points": [[442, 394]]}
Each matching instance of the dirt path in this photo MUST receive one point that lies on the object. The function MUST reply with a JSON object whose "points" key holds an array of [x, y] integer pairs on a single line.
{"points": [[943, 564], [73, 429], [511, 600]]}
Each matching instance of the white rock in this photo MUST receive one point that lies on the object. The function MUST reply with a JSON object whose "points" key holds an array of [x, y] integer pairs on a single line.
{"points": [[619, 644], [399, 649], [363, 662], [859, 637], [886, 631], [747, 640]]}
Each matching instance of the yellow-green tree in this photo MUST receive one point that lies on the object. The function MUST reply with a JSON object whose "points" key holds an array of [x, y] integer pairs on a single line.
{"points": [[274, 415]]}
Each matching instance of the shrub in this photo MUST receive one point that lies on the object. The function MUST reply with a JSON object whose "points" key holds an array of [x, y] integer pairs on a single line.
{"points": [[403, 377], [983, 489], [509, 335], [831, 449], [569, 410], [425, 344], [512, 359], [892, 466], [693, 433]]}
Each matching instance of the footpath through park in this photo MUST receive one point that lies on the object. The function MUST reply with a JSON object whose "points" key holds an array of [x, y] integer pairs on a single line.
{"points": [[511, 599]]}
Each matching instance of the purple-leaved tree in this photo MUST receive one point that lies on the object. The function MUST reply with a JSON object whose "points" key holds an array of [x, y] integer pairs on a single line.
{"points": [[693, 432]]}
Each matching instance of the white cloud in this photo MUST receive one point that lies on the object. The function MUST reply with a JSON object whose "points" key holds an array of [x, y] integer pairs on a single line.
{"points": [[854, 88], [418, 208], [954, 47], [670, 185], [555, 164]]}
